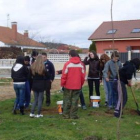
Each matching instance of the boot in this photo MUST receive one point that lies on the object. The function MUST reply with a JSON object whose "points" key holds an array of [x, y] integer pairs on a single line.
{"points": [[14, 108], [22, 110]]}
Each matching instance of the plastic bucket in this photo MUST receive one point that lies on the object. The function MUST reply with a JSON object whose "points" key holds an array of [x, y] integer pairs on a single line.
{"points": [[95, 101], [60, 106]]}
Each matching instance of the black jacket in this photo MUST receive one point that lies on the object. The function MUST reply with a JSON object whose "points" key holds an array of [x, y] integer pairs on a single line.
{"points": [[127, 71], [38, 82], [95, 70], [19, 73]]}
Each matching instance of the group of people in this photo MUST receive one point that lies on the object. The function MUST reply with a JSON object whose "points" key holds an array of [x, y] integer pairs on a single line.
{"points": [[37, 74], [40, 74], [114, 75]]}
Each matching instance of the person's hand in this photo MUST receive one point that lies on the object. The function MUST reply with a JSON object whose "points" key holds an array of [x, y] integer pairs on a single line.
{"points": [[107, 79], [56, 72], [100, 81], [129, 83]]}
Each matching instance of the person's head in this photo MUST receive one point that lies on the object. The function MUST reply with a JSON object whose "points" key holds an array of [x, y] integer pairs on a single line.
{"points": [[44, 56], [115, 56], [93, 55], [73, 53], [136, 62], [38, 66], [26, 60], [20, 60], [34, 54], [104, 58]]}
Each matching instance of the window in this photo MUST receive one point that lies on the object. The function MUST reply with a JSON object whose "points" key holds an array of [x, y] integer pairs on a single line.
{"points": [[136, 30], [112, 31]]}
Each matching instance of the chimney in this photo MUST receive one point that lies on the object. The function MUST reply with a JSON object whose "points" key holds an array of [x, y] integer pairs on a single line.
{"points": [[14, 28], [26, 33]]}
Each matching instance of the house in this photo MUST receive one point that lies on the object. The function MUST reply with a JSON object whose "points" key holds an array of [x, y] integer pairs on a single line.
{"points": [[10, 37], [126, 36]]}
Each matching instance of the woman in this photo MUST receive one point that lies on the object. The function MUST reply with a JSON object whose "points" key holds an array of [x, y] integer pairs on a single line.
{"points": [[103, 59], [95, 72], [19, 73], [38, 73]]}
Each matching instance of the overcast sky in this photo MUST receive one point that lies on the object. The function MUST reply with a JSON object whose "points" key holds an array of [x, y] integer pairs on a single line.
{"points": [[65, 21]]}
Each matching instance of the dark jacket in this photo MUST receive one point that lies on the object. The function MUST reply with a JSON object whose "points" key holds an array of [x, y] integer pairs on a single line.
{"points": [[50, 69], [95, 70], [38, 82], [127, 71], [19, 73]]}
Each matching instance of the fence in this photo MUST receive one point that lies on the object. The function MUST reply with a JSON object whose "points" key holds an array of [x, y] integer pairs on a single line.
{"points": [[52, 57], [65, 57], [124, 56]]}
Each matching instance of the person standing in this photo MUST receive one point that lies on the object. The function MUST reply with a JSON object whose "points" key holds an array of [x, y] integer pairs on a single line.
{"points": [[28, 83], [19, 74], [82, 99], [33, 56], [38, 73], [51, 70], [126, 72], [103, 59], [95, 72], [72, 79], [109, 73]]}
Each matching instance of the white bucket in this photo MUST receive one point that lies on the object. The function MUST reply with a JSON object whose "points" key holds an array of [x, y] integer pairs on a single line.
{"points": [[60, 106], [95, 101]]}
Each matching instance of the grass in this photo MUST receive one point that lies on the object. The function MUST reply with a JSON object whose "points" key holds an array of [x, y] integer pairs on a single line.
{"points": [[5, 81], [92, 122]]}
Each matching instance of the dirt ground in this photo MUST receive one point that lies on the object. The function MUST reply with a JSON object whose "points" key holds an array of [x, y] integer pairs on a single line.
{"points": [[7, 91]]}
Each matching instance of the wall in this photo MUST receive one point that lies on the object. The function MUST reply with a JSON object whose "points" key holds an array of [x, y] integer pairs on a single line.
{"points": [[120, 45]]}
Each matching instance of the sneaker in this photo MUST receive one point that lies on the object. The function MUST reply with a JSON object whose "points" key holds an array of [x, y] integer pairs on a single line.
{"points": [[38, 115], [79, 105], [84, 107], [32, 115]]}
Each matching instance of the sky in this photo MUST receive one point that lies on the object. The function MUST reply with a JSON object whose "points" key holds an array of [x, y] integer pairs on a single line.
{"points": [[65, 21]]}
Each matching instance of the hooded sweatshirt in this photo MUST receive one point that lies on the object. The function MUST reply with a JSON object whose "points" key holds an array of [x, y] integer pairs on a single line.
{"points": [[19, 72], [73, 74]]}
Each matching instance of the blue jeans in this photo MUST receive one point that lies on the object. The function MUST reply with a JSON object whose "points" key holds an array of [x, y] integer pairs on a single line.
{"points": [[82, 100], [20, 94], [38, 100], [113, 94], [27, 94]]}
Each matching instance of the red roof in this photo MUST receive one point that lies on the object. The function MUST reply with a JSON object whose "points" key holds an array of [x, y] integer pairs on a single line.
{"points": [[7, 37], [123, 30]]}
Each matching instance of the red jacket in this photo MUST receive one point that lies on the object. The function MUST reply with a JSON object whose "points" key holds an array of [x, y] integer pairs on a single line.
{"points": [[73, 74]]}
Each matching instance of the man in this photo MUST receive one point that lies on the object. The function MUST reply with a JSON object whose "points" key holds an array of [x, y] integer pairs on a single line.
{"points": [[33, 56], [126, 72], [50, 69], [73, 77], [110, 73]]}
